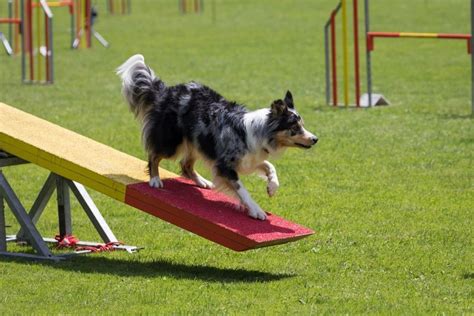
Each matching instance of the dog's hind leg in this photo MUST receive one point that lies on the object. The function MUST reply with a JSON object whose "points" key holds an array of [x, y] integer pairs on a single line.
{"points": [[269, 173], [230, 179], [187, 168], [154, 171]]}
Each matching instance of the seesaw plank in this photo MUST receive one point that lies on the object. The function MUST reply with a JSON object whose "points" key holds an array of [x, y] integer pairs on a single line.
{"points": [[206, 213], [70, 152], [111, 192]]}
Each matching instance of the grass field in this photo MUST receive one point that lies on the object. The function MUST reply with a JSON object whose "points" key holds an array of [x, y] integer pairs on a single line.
{"points": [[388, 190]]}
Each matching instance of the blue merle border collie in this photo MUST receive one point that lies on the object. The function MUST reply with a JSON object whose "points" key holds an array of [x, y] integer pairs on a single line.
{"points": [[191, 121]]}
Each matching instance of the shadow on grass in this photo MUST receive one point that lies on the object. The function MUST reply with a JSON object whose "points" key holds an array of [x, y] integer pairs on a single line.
{"points": [[159, 268]]}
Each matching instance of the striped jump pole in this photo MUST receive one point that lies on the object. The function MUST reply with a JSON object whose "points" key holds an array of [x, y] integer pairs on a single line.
{"points": [[372, 35]]}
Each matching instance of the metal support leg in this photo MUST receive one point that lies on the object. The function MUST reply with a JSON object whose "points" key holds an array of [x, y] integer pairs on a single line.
{"points": [[18, 210], [3, 232], [64, 207], [29, 232], [92, 211], [40, 202]]}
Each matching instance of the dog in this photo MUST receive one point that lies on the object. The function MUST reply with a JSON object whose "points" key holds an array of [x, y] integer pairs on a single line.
{"points": [[191, 121]]}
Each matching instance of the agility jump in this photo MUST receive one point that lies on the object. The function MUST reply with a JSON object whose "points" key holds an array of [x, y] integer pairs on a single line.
{"points": [[331, 25], [30, 26], [331, 52], [77, 160]]}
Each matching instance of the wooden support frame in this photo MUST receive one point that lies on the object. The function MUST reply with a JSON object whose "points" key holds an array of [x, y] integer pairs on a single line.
{"points": [[27, 221]]}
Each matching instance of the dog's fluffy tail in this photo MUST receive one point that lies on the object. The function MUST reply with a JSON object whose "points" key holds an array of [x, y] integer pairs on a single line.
{"points": [[140, 86]]}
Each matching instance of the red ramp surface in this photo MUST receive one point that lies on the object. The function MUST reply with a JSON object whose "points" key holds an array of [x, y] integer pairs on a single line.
{"points": [[212, 215]]}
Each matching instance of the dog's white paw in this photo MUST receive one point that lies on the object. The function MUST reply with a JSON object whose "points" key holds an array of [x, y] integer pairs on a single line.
{"points": [[156, 182], [272, 187], [256, 212], [203, 183]]}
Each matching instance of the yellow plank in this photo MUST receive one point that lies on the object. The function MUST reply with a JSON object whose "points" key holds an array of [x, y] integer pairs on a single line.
{"points": [[407, 34], [18, 148], [116, 181], [118, 195], [32, 138]]}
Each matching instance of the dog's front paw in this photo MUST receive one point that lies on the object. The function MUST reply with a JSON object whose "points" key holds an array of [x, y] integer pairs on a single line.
{"points": [[272, 187], [204, 183], [156, 182], [256, 212]]}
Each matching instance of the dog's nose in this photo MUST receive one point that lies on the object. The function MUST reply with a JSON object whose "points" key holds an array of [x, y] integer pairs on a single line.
{"points": [[315, 140]]}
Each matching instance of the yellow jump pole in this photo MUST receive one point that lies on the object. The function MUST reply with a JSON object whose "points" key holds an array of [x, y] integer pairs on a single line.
{"points": [[345, 52]]}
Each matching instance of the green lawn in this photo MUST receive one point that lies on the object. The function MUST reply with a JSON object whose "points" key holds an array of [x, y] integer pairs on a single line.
{"points": [[388, 190]]}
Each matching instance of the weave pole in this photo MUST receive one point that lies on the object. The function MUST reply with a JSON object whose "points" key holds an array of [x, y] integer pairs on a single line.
{"points": [[355, 5], [472, 57], [38, 41], [37, 38], [83, 22], [368, 56], [88, 17], [118, 6], [23, 42], [111, 6], [29, 18], [18, 27], [10, 26], [345, 52], [326, 63], [334, 57]]}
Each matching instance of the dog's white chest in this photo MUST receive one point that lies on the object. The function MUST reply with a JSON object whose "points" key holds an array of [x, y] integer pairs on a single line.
{"points": [[251, 161]]}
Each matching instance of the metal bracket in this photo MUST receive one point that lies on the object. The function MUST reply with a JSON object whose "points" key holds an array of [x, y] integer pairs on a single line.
{"points": [[27, 221]]}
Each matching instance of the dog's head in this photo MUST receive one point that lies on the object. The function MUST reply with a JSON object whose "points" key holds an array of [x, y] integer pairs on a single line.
{"points": [[289, 126]]}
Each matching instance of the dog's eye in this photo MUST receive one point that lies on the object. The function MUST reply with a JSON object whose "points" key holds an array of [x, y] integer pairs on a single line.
{"points": [[295, 129]]}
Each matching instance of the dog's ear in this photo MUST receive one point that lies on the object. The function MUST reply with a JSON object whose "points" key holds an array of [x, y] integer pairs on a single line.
{"points": [[279, 107], [289, 100]]}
